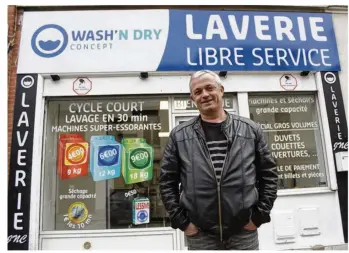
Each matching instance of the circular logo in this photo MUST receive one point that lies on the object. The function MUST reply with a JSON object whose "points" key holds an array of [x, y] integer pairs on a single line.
{"points": [[330, 78], [140, 158], [108, 155], [76, 153], [142, 216], [77, 212], [49, 40], [27, 81]]}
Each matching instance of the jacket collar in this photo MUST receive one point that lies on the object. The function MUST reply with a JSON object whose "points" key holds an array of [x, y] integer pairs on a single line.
{"points": [[225, 124]]}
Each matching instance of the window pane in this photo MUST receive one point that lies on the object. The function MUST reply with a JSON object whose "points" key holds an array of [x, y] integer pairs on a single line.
{"points": [[184, 103], [291, 127], [102, 161]]}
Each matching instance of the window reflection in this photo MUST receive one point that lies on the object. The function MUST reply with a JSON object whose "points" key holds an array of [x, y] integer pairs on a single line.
{"points": [[109, 135], [291, 127]]}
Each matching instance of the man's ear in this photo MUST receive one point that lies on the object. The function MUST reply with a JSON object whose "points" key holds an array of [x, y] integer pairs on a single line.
{"points": [[222, 89], [191, 97]]}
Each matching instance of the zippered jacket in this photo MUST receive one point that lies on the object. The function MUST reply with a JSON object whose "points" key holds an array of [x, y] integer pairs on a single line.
{"points": [[247, 189]]}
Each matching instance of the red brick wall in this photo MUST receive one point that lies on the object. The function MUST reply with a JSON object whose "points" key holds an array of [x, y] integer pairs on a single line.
{"points": [[13, 39]]}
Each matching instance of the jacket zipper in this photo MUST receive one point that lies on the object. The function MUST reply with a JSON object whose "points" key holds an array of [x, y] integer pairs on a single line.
{"points": [[218, 190], [219, 184], [220, 212]]}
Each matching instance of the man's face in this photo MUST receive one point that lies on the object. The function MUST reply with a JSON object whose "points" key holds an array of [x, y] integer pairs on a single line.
{"points": [[207, 94]]}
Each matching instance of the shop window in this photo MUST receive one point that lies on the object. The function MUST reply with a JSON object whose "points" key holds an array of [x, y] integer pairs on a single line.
{"points": [[102, 163], [183, 104], [291, 127]]}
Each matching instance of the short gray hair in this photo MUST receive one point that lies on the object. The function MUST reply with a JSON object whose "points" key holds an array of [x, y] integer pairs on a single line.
{"points": [[203, 72]]}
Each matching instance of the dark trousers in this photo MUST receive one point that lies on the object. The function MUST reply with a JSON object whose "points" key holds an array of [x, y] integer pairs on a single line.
{"points": [[245, 240]]}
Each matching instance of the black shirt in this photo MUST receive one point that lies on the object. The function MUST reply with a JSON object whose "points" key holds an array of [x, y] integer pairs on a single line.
{"points": [[217, 145]]}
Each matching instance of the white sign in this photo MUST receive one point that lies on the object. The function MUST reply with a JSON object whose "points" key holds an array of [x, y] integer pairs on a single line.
{"points": [[288, 82], [92, 41], [82, 85], [141, 208]]}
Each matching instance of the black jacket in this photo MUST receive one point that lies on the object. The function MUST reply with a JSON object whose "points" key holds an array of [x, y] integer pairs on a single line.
{"points": [[248, 185]]}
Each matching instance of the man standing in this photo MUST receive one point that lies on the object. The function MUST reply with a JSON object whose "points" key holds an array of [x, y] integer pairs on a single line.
{"points": [[227, 175]]}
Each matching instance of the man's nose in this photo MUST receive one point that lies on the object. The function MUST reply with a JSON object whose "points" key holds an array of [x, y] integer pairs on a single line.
{"points": [[204, 93]]}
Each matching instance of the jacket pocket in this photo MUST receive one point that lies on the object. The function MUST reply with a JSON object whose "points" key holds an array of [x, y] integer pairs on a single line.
{"points": [[182, 201], [257, 194], [244, 216], [186, 205], [250, 196]]}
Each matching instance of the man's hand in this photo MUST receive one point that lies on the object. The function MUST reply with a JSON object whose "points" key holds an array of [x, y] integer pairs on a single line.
{"points": [[191, 230], [250, 226]]}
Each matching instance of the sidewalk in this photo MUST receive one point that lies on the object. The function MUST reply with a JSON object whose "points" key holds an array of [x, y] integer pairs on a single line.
{"points": [[333, 247]]}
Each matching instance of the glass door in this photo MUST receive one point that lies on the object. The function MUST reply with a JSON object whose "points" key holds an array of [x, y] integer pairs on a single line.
{"points": [[182, 119], [183, 109]]}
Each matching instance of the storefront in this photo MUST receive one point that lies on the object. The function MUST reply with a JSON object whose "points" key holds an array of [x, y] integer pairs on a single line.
{"points": [[99, 91]]}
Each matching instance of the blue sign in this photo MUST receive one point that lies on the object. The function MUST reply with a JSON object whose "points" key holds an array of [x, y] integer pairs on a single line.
{"points": [[108, 155], [105, 158], [250, 41], [142, 216]]}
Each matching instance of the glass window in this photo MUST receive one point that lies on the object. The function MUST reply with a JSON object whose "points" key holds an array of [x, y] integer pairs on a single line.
{"points": [[101, 163], [182, 103], [291, 126]]}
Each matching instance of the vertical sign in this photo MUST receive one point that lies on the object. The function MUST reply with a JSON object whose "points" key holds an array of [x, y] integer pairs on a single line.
{"points": [[339, 136], [21, 163], [335, 111]]}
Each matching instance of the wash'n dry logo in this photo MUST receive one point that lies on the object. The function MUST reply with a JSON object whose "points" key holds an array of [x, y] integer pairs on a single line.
{"points": [[49, 40], [76, 153], [78, 216]]}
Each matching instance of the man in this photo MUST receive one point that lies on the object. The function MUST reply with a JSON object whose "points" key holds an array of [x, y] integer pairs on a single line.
{"points": [[227, 175]]}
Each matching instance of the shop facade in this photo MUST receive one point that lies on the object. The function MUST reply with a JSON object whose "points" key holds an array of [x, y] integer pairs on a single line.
{"points": [[98, 93]]}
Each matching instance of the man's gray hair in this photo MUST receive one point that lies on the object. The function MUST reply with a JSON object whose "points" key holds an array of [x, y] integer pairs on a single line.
{"points": [[203, 72]]}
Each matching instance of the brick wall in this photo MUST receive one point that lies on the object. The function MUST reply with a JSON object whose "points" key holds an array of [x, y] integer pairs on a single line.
{"points": [[13, 39]]}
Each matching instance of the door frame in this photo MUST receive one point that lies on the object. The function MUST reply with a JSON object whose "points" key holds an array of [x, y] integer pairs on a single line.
{"points": [[246, 81]]}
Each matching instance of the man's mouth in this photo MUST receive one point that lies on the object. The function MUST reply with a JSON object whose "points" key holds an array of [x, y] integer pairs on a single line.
{"points": [[205, 102]]}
